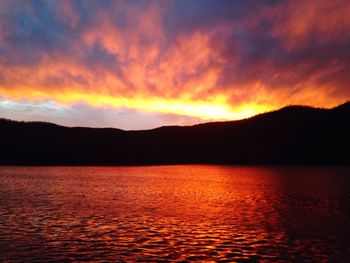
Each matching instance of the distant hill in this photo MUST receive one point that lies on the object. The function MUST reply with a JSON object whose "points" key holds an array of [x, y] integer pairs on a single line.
{"points": [[294, 135]]}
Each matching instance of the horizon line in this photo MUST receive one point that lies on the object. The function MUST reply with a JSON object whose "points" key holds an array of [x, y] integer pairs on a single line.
{"points": [[200, 123]]}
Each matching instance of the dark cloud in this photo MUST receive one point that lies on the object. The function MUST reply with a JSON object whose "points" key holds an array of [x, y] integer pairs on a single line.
{"points": [[250, 52], [259, 51]]}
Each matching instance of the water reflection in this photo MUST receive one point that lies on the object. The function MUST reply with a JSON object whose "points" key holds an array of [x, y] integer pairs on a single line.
{"points": [[192, 212]]}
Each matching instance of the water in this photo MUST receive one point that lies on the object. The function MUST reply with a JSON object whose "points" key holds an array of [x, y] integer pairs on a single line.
{"points": [[179, 213]]}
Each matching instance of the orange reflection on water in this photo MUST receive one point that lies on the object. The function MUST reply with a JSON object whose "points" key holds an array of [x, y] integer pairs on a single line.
{"points": [[191, 212]]}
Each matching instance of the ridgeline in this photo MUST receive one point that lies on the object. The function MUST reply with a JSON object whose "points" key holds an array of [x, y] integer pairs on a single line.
{"points": [[294, 135]]}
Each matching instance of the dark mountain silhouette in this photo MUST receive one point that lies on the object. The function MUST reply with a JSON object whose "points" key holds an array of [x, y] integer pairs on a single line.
{"points": [[294, 135]]}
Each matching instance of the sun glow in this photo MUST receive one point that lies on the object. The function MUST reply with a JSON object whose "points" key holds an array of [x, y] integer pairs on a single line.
{"points": [[216, 108], [182, 69]]}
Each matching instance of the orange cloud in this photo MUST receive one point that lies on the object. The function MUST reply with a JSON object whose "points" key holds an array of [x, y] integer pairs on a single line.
{"points": [[213, 68]]}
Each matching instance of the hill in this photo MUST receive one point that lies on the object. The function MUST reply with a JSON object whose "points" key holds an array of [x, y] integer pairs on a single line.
{"points": [[294, 135]]}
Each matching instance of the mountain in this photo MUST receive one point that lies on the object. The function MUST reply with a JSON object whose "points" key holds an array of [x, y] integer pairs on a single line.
{"points": [[294, 135]]}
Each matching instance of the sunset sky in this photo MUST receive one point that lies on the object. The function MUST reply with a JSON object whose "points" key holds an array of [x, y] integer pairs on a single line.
{"points": [[143, 64]]}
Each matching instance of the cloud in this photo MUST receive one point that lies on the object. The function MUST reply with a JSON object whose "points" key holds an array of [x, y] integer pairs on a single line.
{"points": [[207, 60], [85, 115]]}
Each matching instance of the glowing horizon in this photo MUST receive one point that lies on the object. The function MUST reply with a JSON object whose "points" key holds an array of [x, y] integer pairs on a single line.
{"points": [[145, 64]]}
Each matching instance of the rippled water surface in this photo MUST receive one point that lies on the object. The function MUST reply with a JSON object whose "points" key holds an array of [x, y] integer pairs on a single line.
{"points": [[193, 212]]}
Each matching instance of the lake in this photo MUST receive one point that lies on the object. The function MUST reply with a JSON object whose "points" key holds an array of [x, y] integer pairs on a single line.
{"points": [[175, 213]]}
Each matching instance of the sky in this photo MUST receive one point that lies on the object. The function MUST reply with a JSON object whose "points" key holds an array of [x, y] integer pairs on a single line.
{"points": [[143, 64]]}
